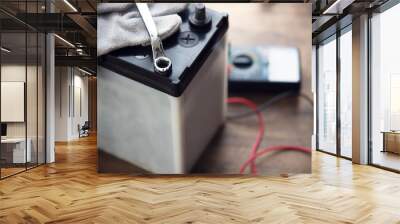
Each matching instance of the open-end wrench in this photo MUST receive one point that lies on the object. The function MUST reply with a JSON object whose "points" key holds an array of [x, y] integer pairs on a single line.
{"points": [[162, 64]]}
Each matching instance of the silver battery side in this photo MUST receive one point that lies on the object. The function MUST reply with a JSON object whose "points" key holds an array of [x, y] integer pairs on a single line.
{"points": [[158, 132]]}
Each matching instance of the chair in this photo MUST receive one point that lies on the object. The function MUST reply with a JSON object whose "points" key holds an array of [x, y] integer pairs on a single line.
{"points": [[84, 130]]}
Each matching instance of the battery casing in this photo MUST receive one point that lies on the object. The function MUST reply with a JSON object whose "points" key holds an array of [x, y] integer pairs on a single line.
{"points": [[155, 130]]}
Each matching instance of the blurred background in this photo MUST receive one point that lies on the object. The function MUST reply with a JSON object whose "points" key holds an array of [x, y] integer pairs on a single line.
{"points": [[289, 121]]}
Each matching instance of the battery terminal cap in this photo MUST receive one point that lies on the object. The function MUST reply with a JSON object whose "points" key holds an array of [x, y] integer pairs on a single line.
{"points": [[200, 18]]}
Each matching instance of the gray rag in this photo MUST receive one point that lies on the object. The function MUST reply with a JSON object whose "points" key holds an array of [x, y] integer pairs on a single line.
{"points": [[120, 25]]}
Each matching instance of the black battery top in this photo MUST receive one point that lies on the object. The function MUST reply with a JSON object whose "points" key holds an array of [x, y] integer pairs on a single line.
{"points": [[188, 49]]}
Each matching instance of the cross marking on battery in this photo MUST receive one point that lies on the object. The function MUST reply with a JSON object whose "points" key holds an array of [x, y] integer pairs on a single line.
{"points": [[188, 38]]}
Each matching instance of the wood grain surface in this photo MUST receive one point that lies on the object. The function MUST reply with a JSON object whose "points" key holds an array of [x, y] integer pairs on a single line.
{"points": [[337, 191], [71, 191]]}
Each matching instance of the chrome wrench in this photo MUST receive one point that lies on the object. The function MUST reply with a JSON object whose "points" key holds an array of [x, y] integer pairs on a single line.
{"points": [[162, 64]]}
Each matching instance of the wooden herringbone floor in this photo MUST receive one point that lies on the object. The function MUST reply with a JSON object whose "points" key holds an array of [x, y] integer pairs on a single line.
{"points": [[71, 191]]}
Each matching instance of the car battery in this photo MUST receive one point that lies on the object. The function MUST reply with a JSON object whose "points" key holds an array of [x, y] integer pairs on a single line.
{"points": [[161, 123]]}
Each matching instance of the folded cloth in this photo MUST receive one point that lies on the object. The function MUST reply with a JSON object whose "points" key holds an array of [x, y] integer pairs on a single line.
{"points": [[120, 25]]}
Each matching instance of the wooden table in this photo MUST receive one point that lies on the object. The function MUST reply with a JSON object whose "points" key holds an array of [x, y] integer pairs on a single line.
{"points": [[287, 122]]}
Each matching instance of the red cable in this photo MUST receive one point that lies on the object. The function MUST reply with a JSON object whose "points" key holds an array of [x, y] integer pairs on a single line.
{"points": [[261, 128], [270, 149], [254, 154]]}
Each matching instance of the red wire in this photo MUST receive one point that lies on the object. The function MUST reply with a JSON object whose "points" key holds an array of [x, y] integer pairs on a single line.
{"points": [[270, 149], [261, 127]]}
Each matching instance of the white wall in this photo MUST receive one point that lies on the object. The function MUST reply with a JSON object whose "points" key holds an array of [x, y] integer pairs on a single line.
{"points": [[71, 93], [62, 81], [33, 126], [17, 72], [80, 109], [12, 73], [13, 101]]}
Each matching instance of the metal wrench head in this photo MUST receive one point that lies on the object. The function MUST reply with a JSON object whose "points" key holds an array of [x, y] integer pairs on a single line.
{"points": [[162, 64]]}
